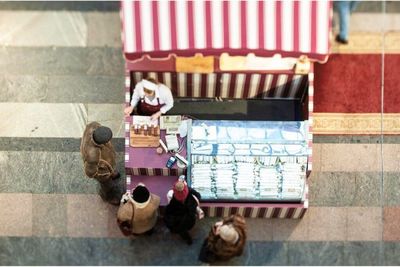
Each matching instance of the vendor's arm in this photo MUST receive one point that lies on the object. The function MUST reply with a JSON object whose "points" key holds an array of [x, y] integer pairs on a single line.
{"points": [[135, 99], [166, 96]]}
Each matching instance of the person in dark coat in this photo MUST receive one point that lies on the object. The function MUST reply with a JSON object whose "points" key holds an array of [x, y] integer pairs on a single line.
{"points": [[180, 213], [226, 239], [98, 157]]}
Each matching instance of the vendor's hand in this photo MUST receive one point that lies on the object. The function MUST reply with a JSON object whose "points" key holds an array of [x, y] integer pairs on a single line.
{"points": [[128, 111], [155, 116]]}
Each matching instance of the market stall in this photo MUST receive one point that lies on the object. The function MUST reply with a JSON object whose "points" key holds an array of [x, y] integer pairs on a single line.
{"points": [[237, 51]]}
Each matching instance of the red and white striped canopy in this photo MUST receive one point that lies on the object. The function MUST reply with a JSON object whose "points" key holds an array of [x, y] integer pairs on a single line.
{"points": [[291, 28]]}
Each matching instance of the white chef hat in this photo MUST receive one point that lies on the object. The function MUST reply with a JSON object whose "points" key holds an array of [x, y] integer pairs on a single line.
{"points": [[149, 85]]}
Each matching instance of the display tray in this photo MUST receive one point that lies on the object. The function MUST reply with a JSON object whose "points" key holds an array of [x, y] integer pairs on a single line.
{"points": [[144, 137]]}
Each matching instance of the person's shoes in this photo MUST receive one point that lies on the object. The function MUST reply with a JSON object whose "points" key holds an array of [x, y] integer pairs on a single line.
{"points": [[340, 40], [185, 236]]}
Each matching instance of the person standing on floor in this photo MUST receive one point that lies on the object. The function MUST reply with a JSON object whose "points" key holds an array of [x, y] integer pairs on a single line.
{"points": [[182, 209], [226, 239], [344, 8], [98, 157], [138, 213], [151, 98]]}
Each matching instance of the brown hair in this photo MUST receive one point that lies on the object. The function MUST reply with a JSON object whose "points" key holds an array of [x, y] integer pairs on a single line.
{"points": [[223, 250]]}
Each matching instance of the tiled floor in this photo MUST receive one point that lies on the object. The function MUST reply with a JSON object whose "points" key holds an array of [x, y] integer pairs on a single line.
{"points": [[61, 66]]}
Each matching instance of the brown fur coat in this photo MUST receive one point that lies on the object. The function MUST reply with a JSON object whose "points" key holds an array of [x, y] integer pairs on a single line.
{"points": [[215, 248]]}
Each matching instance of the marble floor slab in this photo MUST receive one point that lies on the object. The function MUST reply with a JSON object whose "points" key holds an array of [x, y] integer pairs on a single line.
{"points": [[110, 115], [326, 224], [353, 139], [351, 157], [391, 157], [391, 192], [42, 120], [60, 28], [338, 189], [392, 224], [36, 28], [50, 144], [62, 88], [104, 29], [364, 224], [60, 5], [101, 251], [49, 215], [15, 214], [87, 216], [93, 61], [47, 173]]}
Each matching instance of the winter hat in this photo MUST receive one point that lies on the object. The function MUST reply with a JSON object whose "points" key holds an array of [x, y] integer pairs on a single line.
{"points": [[140, 194], [229, 234], [181, 191], [102, 135], [149, 85]]}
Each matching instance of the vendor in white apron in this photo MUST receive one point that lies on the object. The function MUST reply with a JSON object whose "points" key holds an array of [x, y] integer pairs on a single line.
{"points": [[151, 99]]}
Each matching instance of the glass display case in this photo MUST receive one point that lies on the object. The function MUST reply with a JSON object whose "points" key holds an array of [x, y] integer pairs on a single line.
{"points": [[248, 160]]}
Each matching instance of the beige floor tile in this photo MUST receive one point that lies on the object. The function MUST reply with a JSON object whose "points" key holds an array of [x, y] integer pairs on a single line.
{"points": [[110, 115], [104, 29], [391, 224], [289, 229], [49, 215], [391, 157], [36, 28], [316, 157], [87, 216], [364, 224], [42, 120], [326, 224], [15, 214], [350, 157], [113, 229]]}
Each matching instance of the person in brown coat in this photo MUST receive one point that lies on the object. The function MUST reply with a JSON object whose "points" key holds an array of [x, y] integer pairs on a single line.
{"points": [[226, 239], [138, 213], [98, 156]]}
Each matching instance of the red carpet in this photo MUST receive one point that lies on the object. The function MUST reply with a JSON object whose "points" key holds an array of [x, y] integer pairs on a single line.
{"points": [[350, 83]]}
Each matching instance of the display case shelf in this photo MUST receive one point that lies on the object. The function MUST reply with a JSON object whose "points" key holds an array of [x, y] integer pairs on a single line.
{"points": [[247, 160]]}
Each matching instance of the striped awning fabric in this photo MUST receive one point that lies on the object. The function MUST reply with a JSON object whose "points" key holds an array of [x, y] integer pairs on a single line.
{"points": [[291, 28]]}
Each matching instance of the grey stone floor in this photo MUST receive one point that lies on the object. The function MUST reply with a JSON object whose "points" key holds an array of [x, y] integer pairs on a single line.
{"points": [[52, 85]]}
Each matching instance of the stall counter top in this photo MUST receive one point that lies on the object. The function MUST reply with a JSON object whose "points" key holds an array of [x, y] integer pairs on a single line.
{"points": [[147, 157]]}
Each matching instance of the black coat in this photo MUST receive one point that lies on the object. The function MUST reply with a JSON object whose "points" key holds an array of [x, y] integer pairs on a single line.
{"points": [[181, 217]]}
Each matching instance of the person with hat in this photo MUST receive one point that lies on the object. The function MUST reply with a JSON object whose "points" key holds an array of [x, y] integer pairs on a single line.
{"points": [[226, 239], [137, 213], [182, 209], [98, 157], [151, 99]]}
